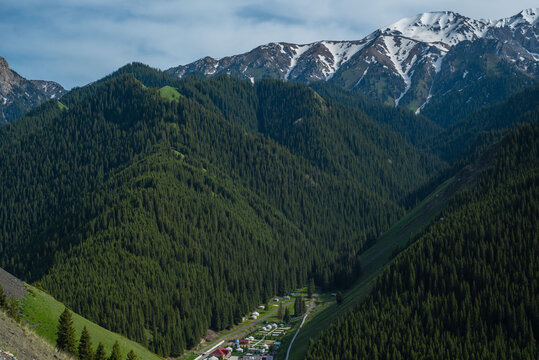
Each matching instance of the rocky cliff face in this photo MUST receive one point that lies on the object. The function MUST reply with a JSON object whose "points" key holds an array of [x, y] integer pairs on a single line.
{"points": [[18, 95]]}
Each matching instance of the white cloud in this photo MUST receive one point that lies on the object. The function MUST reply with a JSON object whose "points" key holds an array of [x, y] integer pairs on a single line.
{"points": [[75, 42]]}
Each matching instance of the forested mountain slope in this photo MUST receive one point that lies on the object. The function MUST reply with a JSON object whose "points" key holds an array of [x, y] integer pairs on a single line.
{"points": [[414, 128], [494, 120], [467, 287], [143, 213]]}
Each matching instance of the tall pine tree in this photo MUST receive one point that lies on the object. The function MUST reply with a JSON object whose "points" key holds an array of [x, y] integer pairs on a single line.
{"points": [[280, 313], [85, 346], [115, 354], [66, 333], [100, 352], [286, 317], [310, 288]]}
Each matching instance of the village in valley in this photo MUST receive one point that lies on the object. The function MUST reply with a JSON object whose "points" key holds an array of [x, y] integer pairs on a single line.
{"points": [[260, 335]]}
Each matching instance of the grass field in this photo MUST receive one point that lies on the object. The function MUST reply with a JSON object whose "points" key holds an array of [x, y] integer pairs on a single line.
{"points": [[374, 261], [62, 105], [168, 92], [42, 311]]}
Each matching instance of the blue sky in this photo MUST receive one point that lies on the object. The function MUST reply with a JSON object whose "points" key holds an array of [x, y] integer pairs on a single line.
{"points": [[75, 42]]}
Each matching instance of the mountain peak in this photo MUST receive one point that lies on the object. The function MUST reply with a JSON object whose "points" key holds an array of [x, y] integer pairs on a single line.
{"points": [[527, 17], [439, 26], [3, 63]]}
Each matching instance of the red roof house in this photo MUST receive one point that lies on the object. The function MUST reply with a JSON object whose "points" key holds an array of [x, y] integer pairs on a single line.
{"points": [[221, 353]]}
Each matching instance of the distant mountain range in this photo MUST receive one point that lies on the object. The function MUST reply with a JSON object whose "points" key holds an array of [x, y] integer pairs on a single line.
{"points": [[18, 95], [407, 63]]}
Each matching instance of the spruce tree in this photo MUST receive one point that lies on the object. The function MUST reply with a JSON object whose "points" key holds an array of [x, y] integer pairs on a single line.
{"points": [[3, 299], [299, 306], [339, 298], [286, 317], [100, 352], [66, 333], [85, 346], [115, 354], [280, 313], [131, 355], [310, 288]]}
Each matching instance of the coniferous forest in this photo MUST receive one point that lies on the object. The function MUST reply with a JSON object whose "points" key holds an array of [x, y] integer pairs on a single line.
{"points": [[160, 218], [467, 287], [160, 208]]}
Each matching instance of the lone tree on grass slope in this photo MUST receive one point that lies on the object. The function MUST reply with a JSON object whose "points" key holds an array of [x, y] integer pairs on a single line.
{"points": [[66, 333]]}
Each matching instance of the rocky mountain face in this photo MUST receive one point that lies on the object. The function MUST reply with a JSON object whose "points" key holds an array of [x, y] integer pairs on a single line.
{"points": [[406, 63], [18, 95]]}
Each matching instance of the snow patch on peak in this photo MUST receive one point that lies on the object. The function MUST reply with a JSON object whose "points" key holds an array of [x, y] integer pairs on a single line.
{"points": [[399, 54], [438, 63], [341, 52], [528, 17], [442, 26], [298, 51]]}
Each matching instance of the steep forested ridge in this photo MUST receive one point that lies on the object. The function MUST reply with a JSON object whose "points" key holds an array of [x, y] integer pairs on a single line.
{"points": [[457, 139], [496, 86], [414, 128], [467, 287], [160, 218]]}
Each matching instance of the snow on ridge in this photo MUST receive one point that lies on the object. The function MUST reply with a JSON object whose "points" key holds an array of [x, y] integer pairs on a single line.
{"points": [[525, 17], [399, 56], [341, 51], [438, 63], [442, 26], [362, 76], [215, 66], [298, 51]]}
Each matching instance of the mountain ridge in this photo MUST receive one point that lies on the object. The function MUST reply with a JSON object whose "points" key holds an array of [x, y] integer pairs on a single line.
{"points": [[400, 63], [19, 95]]}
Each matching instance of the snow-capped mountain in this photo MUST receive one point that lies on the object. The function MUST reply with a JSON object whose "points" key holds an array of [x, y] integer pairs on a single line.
{"points": [[405, 63], [18, 95]]}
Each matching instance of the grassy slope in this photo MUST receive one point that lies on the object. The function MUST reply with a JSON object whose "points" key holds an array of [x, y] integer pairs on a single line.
{"points": [[374, 261], [168, 92], [22, 342], [42, 312]]}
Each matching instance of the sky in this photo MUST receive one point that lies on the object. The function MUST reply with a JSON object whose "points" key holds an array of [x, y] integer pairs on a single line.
{"points": [[75, 42]]}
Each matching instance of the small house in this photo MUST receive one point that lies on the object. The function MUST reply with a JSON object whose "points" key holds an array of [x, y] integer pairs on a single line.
{"points": [[221, 353]]}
